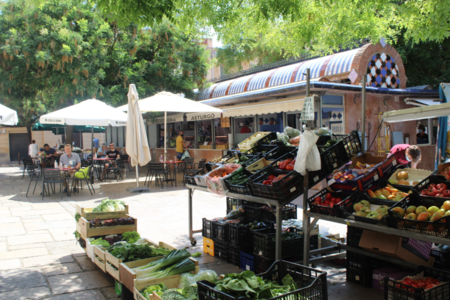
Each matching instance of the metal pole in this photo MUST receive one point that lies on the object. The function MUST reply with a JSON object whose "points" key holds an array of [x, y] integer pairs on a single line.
{"points": [[165, 136], [213, 134], [320, 111], [306, 236], [308, 83], [191, 235], [279, 218], [195, 134], [92, 146], [363, 112]]}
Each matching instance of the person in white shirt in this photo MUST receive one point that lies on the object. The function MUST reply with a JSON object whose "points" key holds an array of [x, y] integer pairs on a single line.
{"points": [[33, 149]]}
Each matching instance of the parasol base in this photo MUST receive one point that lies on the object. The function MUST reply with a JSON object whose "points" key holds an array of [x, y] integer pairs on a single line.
{"points": [[139, 190]]}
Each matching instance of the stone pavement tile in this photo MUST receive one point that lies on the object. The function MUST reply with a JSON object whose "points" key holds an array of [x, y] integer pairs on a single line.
{"points": [[8, 264], [63, 234], [47, 260], [69, 283], [37, 218], [109, 293], [26, 294], [5, 220], [85, 262], [26, 246], [11, 280], [59, 269], [37, 212], [5, 213], [10, 203], [85, 295], [41, 206], [50, 225], [11, 231], [21, 208], [17, 225], [3, 246], [31, 217], [58, 217], [65, 247], [23, 253], [29, 239]]}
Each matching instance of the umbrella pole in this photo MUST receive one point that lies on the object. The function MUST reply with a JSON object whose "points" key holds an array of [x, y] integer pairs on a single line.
{"points": [[165, 136], [92, 146]]}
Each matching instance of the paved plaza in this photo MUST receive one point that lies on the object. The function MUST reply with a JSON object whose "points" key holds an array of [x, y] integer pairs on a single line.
{"points": [[39, 256]]}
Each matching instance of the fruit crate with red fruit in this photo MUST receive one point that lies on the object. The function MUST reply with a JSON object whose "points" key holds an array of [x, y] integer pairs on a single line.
{"points": [[330, 203], [422, 215], [277, 181], [424, 284], [354, 180], [433, 187]]}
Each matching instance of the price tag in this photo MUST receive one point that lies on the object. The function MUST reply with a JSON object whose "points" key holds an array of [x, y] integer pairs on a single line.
{"points": [[357, 277], [331, 182], [375, 177], [247, 267], [291, 190], [316, 178], [205, 143], [394, 163]]}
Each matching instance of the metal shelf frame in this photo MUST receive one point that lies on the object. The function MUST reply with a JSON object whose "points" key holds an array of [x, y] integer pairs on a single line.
{"points": [[274, 203]]}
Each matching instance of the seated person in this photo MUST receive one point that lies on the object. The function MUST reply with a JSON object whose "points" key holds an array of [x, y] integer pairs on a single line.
{"points": [[102, 151], [50, 155], [112, 154], [422, 137], [69, 159]]}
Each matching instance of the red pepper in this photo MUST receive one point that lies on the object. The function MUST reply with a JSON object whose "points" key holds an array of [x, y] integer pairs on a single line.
{"points": [[271, 177], [279, 177], [290, 167], [267, 182]]}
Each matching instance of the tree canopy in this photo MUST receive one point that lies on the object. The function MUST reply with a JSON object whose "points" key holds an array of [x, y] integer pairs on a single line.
{"points": [[291, 26]]}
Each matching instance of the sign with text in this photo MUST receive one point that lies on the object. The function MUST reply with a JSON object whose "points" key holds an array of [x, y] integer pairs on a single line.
{"points": [[202, 116], [170, 119]]}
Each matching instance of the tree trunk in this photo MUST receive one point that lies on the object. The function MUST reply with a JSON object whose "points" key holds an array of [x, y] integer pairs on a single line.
{"points": [[29, 134], [69, 135]]}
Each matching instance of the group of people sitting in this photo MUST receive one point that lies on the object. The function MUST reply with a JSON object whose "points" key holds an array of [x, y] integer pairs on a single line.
{"points": [[112, 153]]}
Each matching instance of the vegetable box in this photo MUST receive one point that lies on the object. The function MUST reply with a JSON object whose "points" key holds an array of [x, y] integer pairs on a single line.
{"points": [[217, 184], [86, 231], [89, 215], [99, 257], [258, 165], [113, 263], [256, 139], [170, 282], [415, 176], [90, 249]]}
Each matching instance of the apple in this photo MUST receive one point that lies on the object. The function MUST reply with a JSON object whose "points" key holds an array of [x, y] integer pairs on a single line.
{"points": [[436, 216], [424, 216], [415, 182], [411, 216], [358, 206], [399, 211], [402, 175], [446, 205], [365, 203], [372, 215], [381, 210], [421, 209], [360, 214], [442, 211], [381, 215], [411, 209], [433, 209], [447, 213]]}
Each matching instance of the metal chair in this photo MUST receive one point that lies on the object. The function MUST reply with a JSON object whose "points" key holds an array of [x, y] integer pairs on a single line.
{"points": [[114, 168], [124, 159], [188, 163], [51, 178], [157, 171], [198, 169], [33, 177], [78, 182], [28, 161]]}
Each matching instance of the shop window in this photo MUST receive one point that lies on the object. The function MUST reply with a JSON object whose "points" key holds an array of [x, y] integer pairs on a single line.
{"points": [[271, 122], [204, 132], [221, 134], [332, 100], [244, 125], [426, 131]]}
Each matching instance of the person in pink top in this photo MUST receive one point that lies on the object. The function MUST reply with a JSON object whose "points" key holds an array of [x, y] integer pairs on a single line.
{"points": [[405, 154]]}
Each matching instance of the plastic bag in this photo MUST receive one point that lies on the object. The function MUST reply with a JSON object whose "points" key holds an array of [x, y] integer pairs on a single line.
{"points": [[188, 279], [324, 131], [214, 181], [292, 132], [185, 155], [305, 159]]}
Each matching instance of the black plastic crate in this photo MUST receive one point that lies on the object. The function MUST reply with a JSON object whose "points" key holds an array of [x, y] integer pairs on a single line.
{"points": [[262, 264], [233, 203], [425, 184], [393, 290], [234, 256], [221, 250], [264, 245], [352, 143], [240, 237], [323, 140], [312, 283], [252, 159], [247, 261], [285, 189], [332, 158], [220, 231], [243, 188], [190, 180], [441, 258], [347, 199], [437, 228], [289, 212], [359, 269], [354, 236], [207, 230], [278, 152]]}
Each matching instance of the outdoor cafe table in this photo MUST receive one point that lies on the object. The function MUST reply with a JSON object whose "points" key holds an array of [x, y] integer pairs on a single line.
{"points": [[101, 161], [173, 176]]}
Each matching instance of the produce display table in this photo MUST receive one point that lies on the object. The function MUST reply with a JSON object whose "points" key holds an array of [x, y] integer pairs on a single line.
{"points": [[275, 203]]}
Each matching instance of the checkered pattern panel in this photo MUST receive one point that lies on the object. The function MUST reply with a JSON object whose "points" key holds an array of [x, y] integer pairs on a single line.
{"points": [[382, 71]]}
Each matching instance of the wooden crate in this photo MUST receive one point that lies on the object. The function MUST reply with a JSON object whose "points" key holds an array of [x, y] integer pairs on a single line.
{"points": [[90, 249], [87, 232], [99, 258], [113, 264], [258, 165], [89, 215], [243, 146], [223, 147], [204, 147], [170, 281]]}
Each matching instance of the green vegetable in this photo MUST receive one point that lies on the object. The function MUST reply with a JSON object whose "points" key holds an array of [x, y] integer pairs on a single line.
{"points": [[196, 254], [159, 289], [77, 234], [184, 266], [77, 217], [100, 242], [108, 205], [131, 237], [235, 214], [173, 294], [130, 252], [152, 268]]}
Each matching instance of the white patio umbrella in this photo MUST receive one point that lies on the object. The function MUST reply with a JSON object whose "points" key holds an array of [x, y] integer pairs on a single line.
{"points": [[90, 112], [136, 143], [168, 102], [8, 116]]}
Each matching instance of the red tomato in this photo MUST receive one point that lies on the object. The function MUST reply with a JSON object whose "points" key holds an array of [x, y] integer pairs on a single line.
{"points": [[318, 199], [328, 196], [435, 281], [333, 199], [338, 200], [421, 284], [430, 286], [331, 204]]}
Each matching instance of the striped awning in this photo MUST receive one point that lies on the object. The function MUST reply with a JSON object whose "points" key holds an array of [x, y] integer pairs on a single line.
{"points": [[264, 107]]}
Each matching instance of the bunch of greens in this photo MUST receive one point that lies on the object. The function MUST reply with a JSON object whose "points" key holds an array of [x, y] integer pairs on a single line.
{"points": [[100, 242], [130, 252], [131, 237], [159, 289], [187, 293], [108, 205], [176, 262], [247, 284], [77, 217]]}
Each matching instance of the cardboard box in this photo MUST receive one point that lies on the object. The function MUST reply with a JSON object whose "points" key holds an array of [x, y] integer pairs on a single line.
{"points": [[392, 246], [394, 273], [442, 167], [367, 158]]}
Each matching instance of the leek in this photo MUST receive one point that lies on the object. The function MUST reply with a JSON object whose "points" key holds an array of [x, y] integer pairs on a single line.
{"points": [[173, 257], [186, 265]]}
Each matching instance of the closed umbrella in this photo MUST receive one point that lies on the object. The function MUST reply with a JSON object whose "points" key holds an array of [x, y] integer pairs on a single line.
{"points": [[168, 102], [136, 143], [8, 116]]}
